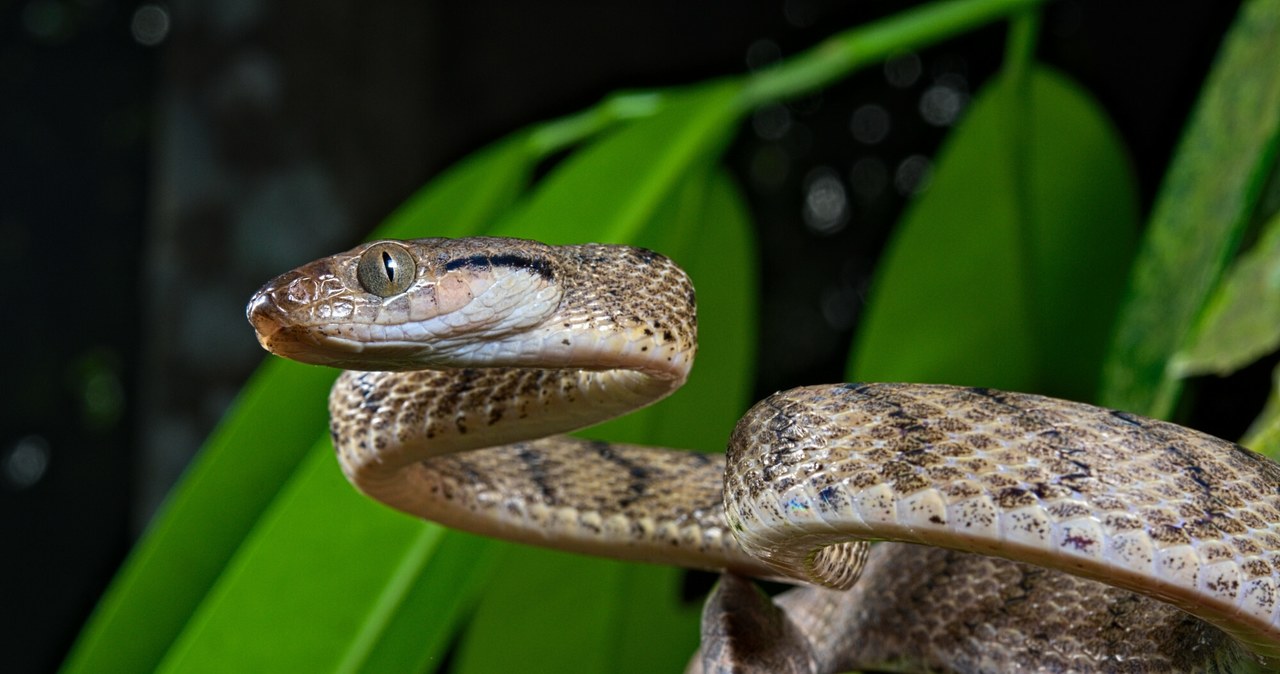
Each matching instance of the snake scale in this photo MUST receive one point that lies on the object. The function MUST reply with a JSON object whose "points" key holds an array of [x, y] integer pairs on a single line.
{"points": [[465, 359]]}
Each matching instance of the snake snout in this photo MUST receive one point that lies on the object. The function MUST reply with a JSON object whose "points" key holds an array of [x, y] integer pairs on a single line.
{"points": [[263, 314], [278, 335], [272, 311]]}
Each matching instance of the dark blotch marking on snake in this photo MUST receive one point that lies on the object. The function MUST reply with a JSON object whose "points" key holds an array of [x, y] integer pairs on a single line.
{"points": [[1128, 418], [535, 461], [1192, 469], [831, 498], [370, 397], [639, 476]]}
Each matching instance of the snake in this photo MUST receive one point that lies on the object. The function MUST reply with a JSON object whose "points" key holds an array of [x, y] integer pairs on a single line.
{"points": [[1015, 532]]}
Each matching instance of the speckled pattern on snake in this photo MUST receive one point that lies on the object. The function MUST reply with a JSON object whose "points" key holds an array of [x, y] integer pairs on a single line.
{"points": [[1064, 537]]}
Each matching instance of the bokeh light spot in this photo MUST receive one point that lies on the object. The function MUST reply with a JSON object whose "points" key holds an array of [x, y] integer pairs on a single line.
{"points": [[26, 462], [903, 70], [826, 206], [150, 25], [913, 175], [772, 121], [869, 124], [800, 13], [941, 104]]}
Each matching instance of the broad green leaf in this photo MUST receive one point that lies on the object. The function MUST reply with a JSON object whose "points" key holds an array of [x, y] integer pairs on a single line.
{"points": [[545, 611], [204, 519], [612, 188], [1264, 434], [1241, 322], [311, 584], [982, 283], [577, 614], [384, 548], [430, 612], [721, 258], [711, 237], [1203, 206], [655, 632], [259, 443], [465, 200]]}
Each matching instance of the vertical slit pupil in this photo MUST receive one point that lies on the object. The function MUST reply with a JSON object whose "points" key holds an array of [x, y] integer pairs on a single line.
{"points": [[389, 265]]}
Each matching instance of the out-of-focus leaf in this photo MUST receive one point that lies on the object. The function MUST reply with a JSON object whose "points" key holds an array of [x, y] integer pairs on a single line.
{"points": [[610, 189], [1264, 434], [593, 607], [255, 449], [465, 200], [544, 611], [1241, 322], [204, 519], [415, 635], [981, 284], [710, 236], [654, 631], [1203, 206], [591, 615], [322, 575], [721, 258]]}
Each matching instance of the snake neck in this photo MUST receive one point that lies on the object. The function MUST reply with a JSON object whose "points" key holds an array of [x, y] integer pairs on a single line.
{"points": [[478, 450], [383, 422]]}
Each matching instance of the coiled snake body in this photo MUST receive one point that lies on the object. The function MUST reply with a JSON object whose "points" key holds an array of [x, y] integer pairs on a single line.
{"points": [[466, 357]]}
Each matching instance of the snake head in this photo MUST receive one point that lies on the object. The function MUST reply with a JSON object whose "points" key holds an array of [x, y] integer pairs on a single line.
{"points": [[399, 305]]}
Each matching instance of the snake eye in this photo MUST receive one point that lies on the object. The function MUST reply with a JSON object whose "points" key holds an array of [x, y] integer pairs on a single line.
{"points": [[386, 269]]}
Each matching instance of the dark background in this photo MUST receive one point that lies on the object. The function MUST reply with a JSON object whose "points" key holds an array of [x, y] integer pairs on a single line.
{"points": [[160, 161]]}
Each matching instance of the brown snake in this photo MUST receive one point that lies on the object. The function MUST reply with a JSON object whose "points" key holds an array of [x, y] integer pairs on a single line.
{"points": [[466, 357]]}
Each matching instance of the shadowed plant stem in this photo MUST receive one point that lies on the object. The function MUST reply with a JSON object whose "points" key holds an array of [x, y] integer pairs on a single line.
{"points": [[1019, 58], [830, 61], [841, 54]]}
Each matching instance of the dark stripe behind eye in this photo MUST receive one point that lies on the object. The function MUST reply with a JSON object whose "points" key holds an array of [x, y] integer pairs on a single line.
{"points": [[508, 260]]}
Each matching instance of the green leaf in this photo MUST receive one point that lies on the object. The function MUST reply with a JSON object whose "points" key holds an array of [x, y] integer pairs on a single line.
{"points": [[204, 520], [578, 614], [610, 189], [259, 444], [721, 258], [465, 200], [1200, 213], [654, 631], [647, 170], [429, 613], [1264, 434], [981, 284], [313, 584], [1241, 322], [544, 611]]}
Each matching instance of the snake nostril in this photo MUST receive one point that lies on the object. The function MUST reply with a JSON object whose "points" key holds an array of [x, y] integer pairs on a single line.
{"points": [[265, 316]]}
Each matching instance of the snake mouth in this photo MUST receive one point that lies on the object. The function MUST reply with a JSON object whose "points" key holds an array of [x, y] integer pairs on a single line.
{"points": [[265, 317], [277, 334], [325, 344]]}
